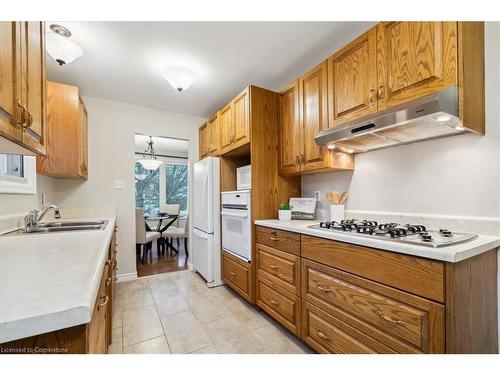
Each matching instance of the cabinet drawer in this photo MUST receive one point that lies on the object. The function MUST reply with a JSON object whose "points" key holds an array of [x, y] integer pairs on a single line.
{"points": [[280, 304], [279, 239], [419, 276], [415, 320], [236, 273], [327, 334], [279, 267]]}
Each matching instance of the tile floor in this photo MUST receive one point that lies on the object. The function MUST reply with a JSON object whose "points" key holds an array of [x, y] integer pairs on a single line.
{"points": [[176, 313]]}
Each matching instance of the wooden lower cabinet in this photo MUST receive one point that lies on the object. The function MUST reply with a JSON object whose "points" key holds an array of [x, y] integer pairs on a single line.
{"points": [[91, 338], [237, 274], [354, 299], [279, 303], [327, 334]]}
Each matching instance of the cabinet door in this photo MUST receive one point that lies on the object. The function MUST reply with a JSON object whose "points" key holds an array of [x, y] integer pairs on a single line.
{"points": [[241, 119], [291, 138], [83, 140], [226, 128], [414, 59], [352, 80], [33, 84], [203, 140], [213, 129], [8, 51], [313, 98]]}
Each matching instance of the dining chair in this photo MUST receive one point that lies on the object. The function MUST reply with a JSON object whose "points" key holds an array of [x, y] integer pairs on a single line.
{"points": [[170, 209], [178, 233], [143, 238]]}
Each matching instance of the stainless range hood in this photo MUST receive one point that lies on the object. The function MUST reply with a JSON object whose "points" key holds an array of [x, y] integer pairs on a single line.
{"points": [[433, 116]]}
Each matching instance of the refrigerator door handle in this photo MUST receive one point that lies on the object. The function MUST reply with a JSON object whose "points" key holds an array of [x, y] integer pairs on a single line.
{"points": [[200, 234], [234, 214]]}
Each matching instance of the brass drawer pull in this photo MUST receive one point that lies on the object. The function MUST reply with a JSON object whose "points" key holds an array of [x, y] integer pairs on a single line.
{"points": [[322, 335], [323, 288], [273, 267], [108, 282], [106, 300], [233, 273], [393, 321], [272, 301]]}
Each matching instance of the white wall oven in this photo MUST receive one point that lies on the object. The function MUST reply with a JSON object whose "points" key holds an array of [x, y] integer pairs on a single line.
{"points": [[237, 223]]}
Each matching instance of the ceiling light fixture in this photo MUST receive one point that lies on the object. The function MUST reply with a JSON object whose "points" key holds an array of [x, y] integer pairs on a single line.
{"points": [[60, 47], [178, 77], [149, 160]]}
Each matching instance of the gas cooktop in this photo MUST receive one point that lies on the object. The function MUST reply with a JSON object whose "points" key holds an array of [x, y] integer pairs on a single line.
{"points": [[408, 233]]}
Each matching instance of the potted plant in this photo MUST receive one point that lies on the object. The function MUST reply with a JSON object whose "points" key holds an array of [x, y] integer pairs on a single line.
{"points": [[285, 212]]}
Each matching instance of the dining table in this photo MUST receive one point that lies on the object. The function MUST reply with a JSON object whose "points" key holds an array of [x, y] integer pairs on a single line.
{"points": [[169, 218]]}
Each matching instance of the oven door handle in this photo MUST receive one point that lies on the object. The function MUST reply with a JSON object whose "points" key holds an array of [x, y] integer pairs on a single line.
{"points": [[234, 214]]}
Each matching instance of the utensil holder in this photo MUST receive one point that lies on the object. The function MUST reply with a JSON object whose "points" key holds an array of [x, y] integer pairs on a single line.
{"points": [[337, 212], [285, 215]]}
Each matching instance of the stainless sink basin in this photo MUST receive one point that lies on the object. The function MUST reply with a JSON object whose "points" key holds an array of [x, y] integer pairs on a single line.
{"points": [[63, 226]]}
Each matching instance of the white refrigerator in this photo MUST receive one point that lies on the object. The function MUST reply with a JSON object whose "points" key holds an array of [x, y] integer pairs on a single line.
{"points": [[205, 243]]}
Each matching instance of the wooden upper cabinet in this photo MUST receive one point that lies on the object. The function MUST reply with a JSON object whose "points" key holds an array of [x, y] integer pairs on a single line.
{"points": [[8, 119], [226, 128], [290, 130], [83, 139], [67, 134], [313, 107], [241, 118], [213, 130], [414, 59], [352, 80], [203, 140], [22, 84]]}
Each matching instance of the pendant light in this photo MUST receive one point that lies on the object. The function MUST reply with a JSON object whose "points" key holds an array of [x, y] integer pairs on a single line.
{"points": [[60, 47], [149, 160]]}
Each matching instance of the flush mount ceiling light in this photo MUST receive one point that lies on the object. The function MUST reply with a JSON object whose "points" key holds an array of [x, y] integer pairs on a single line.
{"points": [[60, 47], [178, 77], [149, 160]]}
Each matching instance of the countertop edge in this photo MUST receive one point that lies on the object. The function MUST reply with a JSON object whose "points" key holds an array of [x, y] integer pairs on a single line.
{"points": [[486, 243]]}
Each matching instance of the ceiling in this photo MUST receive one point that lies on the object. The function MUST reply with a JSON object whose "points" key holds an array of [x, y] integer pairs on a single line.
{"points": [[163, 145], [123, 61]]}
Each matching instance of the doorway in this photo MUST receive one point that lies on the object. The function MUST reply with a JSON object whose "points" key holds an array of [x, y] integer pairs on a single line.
{"points": [[161, 168]]}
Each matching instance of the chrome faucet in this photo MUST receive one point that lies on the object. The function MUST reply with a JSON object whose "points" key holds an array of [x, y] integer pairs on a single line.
{"points": [[32, 220]]}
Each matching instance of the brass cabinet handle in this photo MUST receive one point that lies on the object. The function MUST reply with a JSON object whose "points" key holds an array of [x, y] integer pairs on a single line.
{"points": [[108, 282], [30, 120], [372, 97], [302, 158], [381, 93], [108, 262], [273, 267], [273, 238], [297, 160], [270, 300], [322, 335], [233, 273], [323, 288], [106, 300], [387, 319], [24, 115]]}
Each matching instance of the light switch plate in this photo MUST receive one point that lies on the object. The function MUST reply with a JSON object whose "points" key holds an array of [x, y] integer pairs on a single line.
{"points": [[119, 184], [317, 195]]}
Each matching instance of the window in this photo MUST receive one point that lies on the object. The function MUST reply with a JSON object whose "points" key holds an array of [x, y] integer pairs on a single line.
{"points": [[17, 174], [166, 185]]}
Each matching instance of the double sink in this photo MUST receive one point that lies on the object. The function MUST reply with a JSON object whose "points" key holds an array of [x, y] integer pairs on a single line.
{"points": [[62, 226]]}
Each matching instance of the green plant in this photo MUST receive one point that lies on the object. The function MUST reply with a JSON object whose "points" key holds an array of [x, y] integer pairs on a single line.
{"points": [[285, 206]]}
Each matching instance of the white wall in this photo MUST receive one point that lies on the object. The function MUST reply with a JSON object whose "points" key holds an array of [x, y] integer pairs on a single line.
{"points": [[450, 176], [112, 126]]}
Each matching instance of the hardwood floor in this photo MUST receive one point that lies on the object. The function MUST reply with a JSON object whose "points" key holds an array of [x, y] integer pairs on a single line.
{"points": [[166, 263]]}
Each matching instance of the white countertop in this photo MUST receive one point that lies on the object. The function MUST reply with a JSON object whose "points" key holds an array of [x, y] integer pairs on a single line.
{"points": [[50, 281], [454, 253]]}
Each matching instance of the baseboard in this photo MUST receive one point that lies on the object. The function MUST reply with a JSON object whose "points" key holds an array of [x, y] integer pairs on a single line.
{"points": [[126, 277]]}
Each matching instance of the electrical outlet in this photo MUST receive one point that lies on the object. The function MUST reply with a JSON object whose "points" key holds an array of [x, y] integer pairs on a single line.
{"points": [[317, 195], [119, 184]]}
